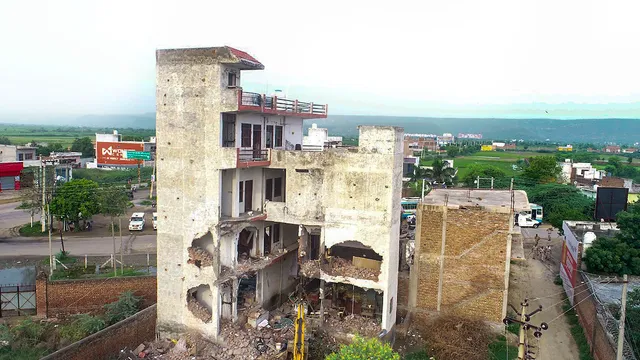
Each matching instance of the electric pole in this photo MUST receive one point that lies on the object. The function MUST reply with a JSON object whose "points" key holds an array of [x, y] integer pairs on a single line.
{"points": [[623, 313], [524, 353]]}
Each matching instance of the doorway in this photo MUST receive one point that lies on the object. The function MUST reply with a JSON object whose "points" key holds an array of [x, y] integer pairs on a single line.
{"points": [[257, 141], [248, 195]]}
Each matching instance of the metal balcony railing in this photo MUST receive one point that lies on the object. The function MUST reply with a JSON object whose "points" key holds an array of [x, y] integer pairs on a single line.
{"points": [[273, 104], [248, 156]]}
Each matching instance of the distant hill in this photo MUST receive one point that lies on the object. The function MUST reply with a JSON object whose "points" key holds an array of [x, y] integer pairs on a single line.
{"points": [[621, 131]]}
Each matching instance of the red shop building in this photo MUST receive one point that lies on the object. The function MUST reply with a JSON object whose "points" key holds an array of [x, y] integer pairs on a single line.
{"points": [[10, 175]]}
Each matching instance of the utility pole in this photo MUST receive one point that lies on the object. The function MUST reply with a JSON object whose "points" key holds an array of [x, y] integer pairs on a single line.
{"points": [[422, 198], [113, 257], [478, 183], [623, 313], [43, 180], [120, 229], [139, 161], [153, 180], [524, 353]]}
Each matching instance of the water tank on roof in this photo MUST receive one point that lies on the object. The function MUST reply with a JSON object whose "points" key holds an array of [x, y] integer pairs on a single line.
{"points": [[315, 126], [587, 240]]}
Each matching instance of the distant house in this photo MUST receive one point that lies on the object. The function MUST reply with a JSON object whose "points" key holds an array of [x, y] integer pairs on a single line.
{"points": [[612, 149], [565, 148], [486, 148], [629, 150]]}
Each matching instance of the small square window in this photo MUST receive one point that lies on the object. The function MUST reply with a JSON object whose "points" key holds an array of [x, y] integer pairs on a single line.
{"points": [[232, 80]]}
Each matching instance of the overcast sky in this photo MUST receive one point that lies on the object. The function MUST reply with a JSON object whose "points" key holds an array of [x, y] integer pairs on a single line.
{"points": [[422, 58]]}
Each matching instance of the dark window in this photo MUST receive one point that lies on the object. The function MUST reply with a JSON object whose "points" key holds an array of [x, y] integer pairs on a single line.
{"points": [[232, 79], [241, 191], [268, 141], [269, 190], [275, 236], [28, 156], [278, 137], [277, 187], [20, 157], [246, 135], [228, 130]]}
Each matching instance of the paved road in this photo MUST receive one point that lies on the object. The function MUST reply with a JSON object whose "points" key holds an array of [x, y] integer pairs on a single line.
{"points": [[77, 246], [10, 218]]}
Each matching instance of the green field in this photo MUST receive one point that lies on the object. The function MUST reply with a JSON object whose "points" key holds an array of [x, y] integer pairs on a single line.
{"points": [[64, 135], [464, 163], [506, 155]]}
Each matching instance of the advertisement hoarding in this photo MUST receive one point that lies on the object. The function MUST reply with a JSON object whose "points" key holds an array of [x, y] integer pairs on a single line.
{"points": [[112, 153], [569, 261], [469, 136]]}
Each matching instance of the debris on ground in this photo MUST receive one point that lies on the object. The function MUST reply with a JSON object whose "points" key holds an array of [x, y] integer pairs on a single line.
{"points": [[343, 267], [198, 310], [353, 324]]}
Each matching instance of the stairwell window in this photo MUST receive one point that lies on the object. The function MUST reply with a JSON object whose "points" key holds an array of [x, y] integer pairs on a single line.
{"points": [[232, 80]]}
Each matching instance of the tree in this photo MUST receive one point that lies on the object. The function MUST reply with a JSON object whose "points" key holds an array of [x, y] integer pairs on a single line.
{"points": [[440, 172], [629, 160], [561, 202], [542, 169], [453, 151], [4, 140], [483, 171], [620, 255], [83, 145], [113, 202], [365, 349], [76, 200]]}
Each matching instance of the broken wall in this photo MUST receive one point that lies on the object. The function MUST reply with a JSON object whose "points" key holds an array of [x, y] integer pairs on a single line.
{"points": [[353, 195], [277, 281], [189, 102], [474, 266]]}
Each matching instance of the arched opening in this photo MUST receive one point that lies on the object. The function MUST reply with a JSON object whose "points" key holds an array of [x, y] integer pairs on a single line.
{"points": [[352, 259], [199, 300]]}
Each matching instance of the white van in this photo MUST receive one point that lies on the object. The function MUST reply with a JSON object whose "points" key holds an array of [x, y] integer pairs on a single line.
{"points": [[155, 221], [136, 222]]}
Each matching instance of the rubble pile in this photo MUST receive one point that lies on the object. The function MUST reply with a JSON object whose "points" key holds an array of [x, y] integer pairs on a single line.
{"points": [[246, 342], [310, 268], [199, 257], [343, 267], [353, 324], [198, 310]]}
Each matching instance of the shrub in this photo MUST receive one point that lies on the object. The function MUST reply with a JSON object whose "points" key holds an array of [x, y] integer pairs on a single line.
{"points": [[557, 280], [35, 230], [365, 349], [28, 333], [82, 326], [126, 305]]}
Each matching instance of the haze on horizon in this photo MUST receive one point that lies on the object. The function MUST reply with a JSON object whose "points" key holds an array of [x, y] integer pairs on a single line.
{"points": [[459, 58]]}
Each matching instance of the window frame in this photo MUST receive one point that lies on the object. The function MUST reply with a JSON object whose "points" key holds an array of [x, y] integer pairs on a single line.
{"points": [[277, 190], [246, 134], [278, 138]]}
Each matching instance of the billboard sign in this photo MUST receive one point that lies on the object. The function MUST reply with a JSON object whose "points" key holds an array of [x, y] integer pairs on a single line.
{"points": [[569, 261], [610, 201], [113, 153], [469, 136], [139, 155]]}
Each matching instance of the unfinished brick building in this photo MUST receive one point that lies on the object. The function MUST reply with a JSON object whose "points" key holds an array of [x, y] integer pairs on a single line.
{"points": [[246, 218], [463, 251]]}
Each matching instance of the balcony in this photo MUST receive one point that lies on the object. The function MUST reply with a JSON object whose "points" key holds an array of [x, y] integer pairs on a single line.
{"points": [[249, 157], [248, 101]]}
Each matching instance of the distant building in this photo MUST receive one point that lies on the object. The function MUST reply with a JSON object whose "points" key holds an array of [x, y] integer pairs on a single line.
{"points": [[580, 173], [470, 136], [565, 148], [11, 153], [446, 139], [612, 149], [10, 175], [486, 148], [415, 144], [629, 150], [319, 139]]}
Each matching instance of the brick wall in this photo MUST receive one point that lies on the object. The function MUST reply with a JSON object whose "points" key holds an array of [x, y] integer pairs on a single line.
{"points": [[474, 261], [64, 297], [403, 289], [610, 181], [107, 343], [596, 336]]}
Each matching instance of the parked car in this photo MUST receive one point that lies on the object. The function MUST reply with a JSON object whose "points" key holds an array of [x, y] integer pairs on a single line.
{"points": [[136, 222]]}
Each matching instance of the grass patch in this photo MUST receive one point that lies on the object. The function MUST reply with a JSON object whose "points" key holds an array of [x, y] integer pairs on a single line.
{"points": [[23, 206], [463, 165], [515, 155], [420, 355], [577, 331], [79, 272], [35, 230], [500, 350], [146, 202]]}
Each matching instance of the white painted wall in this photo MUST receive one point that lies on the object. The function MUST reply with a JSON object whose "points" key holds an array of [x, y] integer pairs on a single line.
{"points": [[227, 192], [276, 278]]}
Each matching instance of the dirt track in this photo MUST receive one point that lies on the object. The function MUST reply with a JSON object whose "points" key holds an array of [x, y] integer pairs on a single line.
{"points": [[533, 279]]}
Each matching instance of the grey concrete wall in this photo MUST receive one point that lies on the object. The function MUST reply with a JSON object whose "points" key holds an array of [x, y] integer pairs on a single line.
{"points": [[8, 153]]}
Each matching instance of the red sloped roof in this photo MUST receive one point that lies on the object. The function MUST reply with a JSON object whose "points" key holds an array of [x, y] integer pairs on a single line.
{"points": [[243, 55], [11, 168]]}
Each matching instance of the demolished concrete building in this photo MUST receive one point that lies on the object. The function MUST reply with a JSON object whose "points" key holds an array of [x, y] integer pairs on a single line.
{"points": [[245, 217]]}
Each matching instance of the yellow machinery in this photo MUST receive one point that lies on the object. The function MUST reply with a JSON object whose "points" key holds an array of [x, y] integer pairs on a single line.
{"points": [[298, 339]]}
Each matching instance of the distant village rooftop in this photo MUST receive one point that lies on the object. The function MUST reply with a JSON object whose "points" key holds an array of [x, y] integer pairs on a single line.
{"points": [[490, 199]]}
